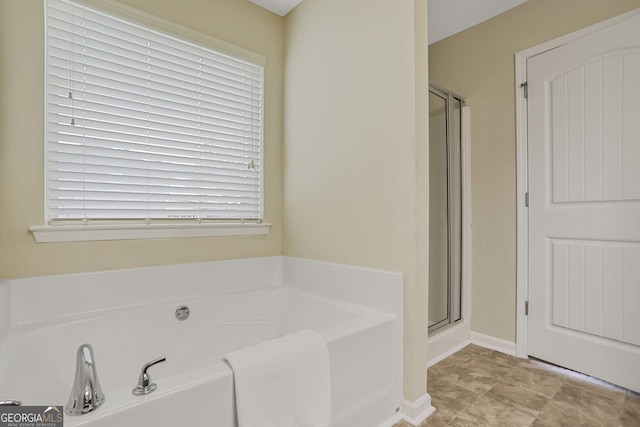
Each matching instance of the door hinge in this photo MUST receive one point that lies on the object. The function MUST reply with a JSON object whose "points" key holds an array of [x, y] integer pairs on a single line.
{"points": [[525, 86], [526, 199], [526, 308]]}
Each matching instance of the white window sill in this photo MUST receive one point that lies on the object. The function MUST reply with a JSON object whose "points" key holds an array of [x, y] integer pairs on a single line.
{"points": [[83, 233]]}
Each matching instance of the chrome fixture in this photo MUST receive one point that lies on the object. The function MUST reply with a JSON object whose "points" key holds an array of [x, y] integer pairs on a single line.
{"points": [[86, 394], [145, 386], [182, 312], [10, 402]]}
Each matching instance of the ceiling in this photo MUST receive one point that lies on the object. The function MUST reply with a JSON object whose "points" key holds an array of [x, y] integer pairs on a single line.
{"points": [[281, 7], [446, 17]]}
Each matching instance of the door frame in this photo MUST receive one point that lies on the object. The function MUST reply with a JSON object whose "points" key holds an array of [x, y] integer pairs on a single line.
{"points": [[522, 175]]}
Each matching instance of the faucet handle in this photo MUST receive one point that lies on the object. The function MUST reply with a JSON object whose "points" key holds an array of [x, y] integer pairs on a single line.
{"points": [[145, 386]]}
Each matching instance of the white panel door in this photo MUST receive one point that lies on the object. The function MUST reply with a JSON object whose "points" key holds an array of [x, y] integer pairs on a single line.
{"points": [[584, 210]]}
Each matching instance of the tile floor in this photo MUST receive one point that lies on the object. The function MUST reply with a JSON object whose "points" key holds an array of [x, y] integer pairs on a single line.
{"points": [[481, 387]]}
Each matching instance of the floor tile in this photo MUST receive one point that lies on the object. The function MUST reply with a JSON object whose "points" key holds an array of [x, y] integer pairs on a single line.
{"points": [[488, 412], [630, 416], [449, 401], [444, 367], [472, 349], [536, 378], [436, 420], [599, 407], [538, 423], [473, 379], [522, 399], [500, 358], [460, 357], [544, 366], [595, 385], [480, 387], [562, 415], [487, 366]]}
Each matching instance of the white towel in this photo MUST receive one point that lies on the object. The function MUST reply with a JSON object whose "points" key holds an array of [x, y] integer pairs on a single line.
{"points": [[283, 382]]}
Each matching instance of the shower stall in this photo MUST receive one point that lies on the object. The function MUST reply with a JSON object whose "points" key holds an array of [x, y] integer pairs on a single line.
{"points": [[445, 208]]}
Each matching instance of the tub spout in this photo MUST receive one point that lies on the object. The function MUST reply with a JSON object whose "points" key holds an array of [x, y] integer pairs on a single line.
{"points": [[86, 394]]}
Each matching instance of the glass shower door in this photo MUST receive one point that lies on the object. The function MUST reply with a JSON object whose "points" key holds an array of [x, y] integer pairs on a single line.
{"points": [[445, 209]]}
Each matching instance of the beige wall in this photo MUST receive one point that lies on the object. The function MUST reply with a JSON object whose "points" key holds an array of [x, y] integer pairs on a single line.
{"points": [[355, 152], [21, 142], [479, 65]]}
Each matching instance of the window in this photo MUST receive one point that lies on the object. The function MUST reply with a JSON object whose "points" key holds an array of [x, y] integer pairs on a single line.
{"points": [[146, 126]]}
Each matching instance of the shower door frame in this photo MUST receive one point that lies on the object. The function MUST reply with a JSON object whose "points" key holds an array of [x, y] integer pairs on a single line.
{"points": [[464, 266]]}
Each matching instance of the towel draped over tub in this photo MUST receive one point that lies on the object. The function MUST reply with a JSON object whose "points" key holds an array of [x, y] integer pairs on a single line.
{"points": [[284, 382]]}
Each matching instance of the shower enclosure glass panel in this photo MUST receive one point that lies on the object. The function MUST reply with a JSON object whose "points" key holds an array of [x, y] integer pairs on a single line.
{"points": [[445, 209]]}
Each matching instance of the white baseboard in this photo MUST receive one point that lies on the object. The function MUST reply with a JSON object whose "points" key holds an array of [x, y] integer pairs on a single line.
{"points": [[417, 411], [392, 421], [497, 344], [443, 344], [448, 353]]}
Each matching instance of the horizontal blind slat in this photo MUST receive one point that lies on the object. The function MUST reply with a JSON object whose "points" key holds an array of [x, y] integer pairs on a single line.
{"points": [[171, 171], [128, 86], [131, 148]]}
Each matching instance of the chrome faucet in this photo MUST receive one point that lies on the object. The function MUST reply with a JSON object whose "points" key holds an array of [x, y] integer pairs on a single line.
{"points": [[86, 394], [145, 385]]}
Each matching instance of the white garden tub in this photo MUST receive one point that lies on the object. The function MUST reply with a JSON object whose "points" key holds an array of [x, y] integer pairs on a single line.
{"points": [[128, 318]]}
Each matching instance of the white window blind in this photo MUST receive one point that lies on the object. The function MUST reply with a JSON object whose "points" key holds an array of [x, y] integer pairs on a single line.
{"points": [[146, 126]]}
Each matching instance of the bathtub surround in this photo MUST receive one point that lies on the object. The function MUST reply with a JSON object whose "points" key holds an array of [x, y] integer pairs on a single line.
{"points": [[283, 382], [233, 305]]}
